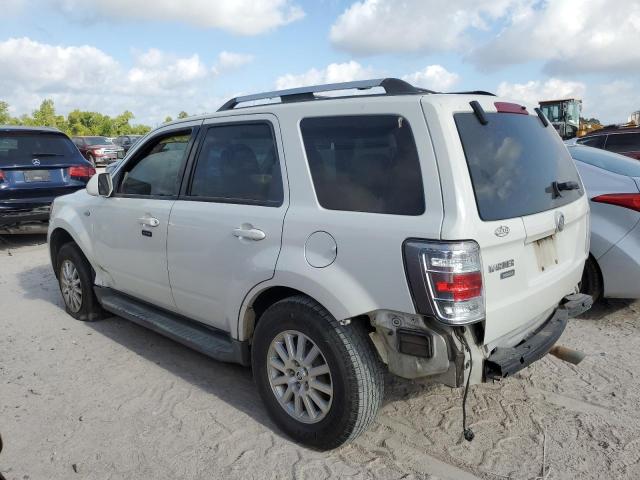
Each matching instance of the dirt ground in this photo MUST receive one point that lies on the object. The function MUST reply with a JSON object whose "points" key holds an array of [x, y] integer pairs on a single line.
{"points": [[111, 400]]}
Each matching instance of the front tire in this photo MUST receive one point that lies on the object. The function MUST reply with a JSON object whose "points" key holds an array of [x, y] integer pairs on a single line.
{"points": [[75, 278], [322, 383]]}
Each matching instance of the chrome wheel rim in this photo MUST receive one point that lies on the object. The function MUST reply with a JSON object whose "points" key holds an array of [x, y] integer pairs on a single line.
{"points": [[70, 286], [300, 377]]}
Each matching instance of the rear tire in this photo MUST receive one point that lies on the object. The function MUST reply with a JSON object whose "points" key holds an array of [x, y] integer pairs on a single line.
{"points": [[591, 283], [351, 391], [92, 160], [75, 278]]}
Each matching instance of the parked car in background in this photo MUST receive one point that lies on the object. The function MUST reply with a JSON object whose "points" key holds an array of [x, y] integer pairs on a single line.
{"points": [[37, 164], [98, 150], [127, 141], [612, 183], [325, 241], [622, 140]]}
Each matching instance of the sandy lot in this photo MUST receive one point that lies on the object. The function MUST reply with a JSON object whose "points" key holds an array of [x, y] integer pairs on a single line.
{"points": [[110, 400]]}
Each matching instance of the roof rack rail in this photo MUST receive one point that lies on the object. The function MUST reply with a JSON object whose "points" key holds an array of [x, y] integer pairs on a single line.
{"points": [[392, 86], [472, 92]]}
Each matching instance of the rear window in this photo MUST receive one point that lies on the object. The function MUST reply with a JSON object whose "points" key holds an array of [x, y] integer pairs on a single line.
{"points": [[607, 161], [623, 142], [595, 142], [364, 163], [20, 147], [513, 161]]}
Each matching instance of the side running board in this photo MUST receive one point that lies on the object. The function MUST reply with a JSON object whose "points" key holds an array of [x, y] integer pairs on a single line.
{"points": [[205, 339]]}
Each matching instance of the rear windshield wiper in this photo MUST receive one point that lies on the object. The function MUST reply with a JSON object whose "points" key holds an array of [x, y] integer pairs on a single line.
{"points": [[558, 187], [47, 154]]}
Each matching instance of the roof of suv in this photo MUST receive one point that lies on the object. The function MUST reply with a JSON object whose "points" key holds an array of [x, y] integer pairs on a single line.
{"points": [[21, 128], [393, 87]]}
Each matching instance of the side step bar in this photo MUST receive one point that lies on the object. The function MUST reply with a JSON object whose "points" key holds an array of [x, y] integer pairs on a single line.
{"points": [[205, 339]]}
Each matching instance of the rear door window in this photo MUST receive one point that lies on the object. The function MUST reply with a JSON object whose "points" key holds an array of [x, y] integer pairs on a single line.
{"points": [[364, 163], [623, 142], [595, 142], [513, 161]]}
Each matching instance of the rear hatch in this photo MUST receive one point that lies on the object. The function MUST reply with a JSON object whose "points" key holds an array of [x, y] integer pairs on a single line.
{"points": [[39, 165], [530, 219]]}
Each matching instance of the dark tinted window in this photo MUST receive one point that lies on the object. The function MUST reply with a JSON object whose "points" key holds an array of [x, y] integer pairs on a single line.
{"points": [[23, 147], [97, 141], [513, 161], [156, 171], [623, 142], [595, 142], [364, 164], [606, 160], [239, 162]]}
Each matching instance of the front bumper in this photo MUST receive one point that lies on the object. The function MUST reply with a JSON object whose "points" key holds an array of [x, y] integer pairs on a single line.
{"points": [[504, 362]]}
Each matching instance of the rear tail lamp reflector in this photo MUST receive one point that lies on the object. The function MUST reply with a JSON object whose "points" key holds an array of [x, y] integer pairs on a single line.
{"points": [[626, 200]]}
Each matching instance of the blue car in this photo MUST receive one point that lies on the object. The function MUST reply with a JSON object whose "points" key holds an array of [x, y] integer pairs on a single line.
{"points": [[37, 164]]}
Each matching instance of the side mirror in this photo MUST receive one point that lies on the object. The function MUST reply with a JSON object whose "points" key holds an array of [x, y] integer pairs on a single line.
{"points": [[101, 184]]}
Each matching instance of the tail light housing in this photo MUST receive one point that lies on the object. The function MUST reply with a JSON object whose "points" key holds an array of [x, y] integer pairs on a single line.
{"points": [[626, 200], [446, 280], [81, 172], [2, 177]]}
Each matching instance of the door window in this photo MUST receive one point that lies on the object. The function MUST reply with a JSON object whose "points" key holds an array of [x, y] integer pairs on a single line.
{"points": [[623, 142], [156, 172], [239, 163]]}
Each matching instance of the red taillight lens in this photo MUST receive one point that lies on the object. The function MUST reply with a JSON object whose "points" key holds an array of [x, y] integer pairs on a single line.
{"points": [[626, 200], [82, 172], [506, 107], [459, 286], [2, 176]]}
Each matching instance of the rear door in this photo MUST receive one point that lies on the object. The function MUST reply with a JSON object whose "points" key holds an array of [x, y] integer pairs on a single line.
{"points": [[130, 227], [226, 228], [531, 217]]}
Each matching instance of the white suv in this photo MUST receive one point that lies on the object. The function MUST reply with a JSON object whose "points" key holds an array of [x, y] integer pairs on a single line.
{"points": [[323, 240]]}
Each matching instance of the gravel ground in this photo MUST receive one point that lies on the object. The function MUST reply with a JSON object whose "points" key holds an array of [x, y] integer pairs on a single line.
{"points": [[110, 400]]}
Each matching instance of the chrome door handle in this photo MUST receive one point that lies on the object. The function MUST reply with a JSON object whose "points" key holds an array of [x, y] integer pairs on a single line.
{"points": [[249, 233], [149, 221]]}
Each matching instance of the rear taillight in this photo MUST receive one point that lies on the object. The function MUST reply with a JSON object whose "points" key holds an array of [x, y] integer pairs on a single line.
{"points": [[81, 172], [626, 200], [2, 177], [451, 272]]}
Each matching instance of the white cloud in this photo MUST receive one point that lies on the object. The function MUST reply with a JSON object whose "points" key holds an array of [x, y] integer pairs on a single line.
{"points": [[533, 91], [231, 61], [383, 26], [433, 77], [85, 77], [244, 17], [333, 73], [571, 38]]}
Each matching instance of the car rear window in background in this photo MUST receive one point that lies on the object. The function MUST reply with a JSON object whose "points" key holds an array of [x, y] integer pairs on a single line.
{"points": [[595, 142], [97, 141], [364, 163], [607, 161], [513, 161], [623, 142], [22, 147]]}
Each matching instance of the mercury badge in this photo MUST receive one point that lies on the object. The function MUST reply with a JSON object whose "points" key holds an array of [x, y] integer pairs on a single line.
{"points": [[559, 222], [501, 231]]}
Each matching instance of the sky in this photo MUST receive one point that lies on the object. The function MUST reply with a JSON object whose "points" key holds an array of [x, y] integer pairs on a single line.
{"points": [[156, 58]]}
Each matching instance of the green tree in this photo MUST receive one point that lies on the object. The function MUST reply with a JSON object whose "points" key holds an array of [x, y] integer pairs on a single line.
{"points": [[168, 119], [183, 114], [5, 118]]}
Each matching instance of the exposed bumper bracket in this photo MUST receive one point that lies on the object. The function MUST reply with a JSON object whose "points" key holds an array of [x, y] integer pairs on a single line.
{"points": [[507, 361]]}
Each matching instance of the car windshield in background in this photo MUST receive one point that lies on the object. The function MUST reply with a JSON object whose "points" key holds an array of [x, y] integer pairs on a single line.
{"points": [[606, 160], [364, 163], [98, 141], [24, 146], [513, 161]]}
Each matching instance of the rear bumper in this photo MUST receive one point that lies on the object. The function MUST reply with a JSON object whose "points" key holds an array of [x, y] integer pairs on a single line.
{"points": [[14, 216], [505, 362]]}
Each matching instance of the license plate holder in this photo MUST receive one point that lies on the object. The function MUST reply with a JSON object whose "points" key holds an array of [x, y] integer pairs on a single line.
{"points": [[36, 176], [546, 252]]}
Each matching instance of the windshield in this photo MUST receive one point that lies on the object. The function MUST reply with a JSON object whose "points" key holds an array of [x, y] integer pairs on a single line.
{"points": [[98, 141], [606, 160], [568, 111], [552, 112], [24, 146], [513, 162]]}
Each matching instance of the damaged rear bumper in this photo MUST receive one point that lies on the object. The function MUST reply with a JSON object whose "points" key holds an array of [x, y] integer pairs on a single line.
{"points": [[504, 362]]}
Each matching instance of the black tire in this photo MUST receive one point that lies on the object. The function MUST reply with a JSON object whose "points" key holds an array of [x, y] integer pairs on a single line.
{"points": [[92, 160], [89, 309], [591, 283], [356, 372]]}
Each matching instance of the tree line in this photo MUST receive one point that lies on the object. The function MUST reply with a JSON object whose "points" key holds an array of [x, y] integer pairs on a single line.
{"points": [[78, 122]]}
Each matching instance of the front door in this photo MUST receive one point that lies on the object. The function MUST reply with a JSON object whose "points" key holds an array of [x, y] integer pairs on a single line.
{"points": [[130, 227], [225, 229]]}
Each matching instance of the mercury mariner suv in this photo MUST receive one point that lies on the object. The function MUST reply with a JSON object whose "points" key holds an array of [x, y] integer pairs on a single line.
{"points": [[326, 239]]}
